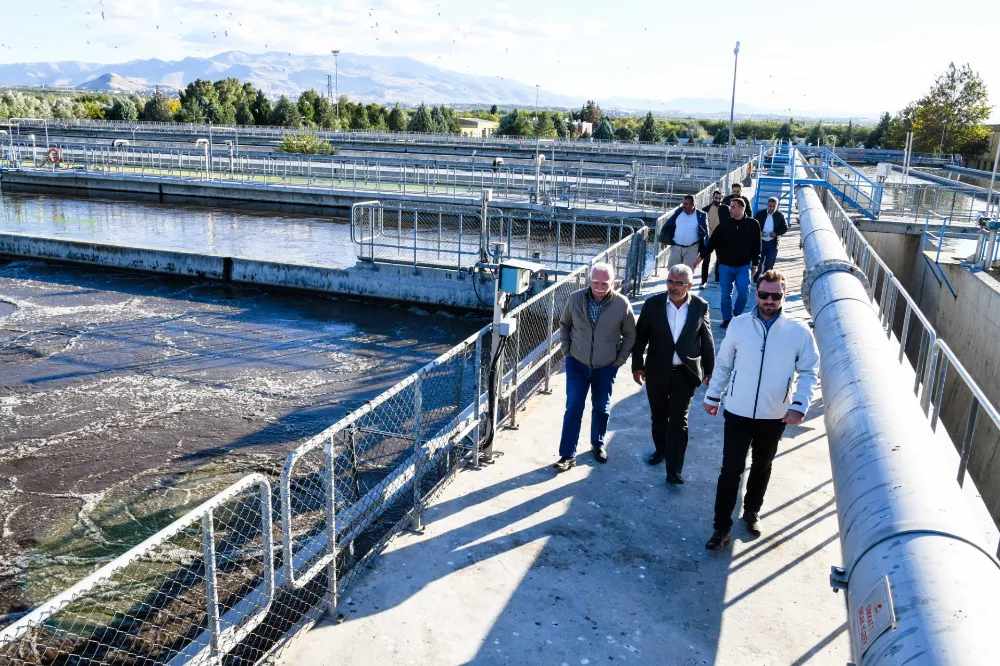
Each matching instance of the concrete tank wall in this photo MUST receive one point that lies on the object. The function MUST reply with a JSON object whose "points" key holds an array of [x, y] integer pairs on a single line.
{"points": [[970, 325], [397, 283]]}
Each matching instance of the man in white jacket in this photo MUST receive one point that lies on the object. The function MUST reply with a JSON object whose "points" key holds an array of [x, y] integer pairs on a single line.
{"points": [[756, 371]]}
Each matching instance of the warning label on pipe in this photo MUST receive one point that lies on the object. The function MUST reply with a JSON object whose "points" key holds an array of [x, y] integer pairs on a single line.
{"points": [[873, 616]]}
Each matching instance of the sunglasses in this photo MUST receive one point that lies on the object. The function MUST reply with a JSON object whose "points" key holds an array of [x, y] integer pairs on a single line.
{"points": [[773, 295]]}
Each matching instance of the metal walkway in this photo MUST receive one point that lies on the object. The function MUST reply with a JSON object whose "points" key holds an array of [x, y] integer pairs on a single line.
{"points": [[519, 565]]}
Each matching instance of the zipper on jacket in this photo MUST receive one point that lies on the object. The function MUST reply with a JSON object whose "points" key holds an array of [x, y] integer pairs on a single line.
{"points": [[760, 372], [593, 330]]}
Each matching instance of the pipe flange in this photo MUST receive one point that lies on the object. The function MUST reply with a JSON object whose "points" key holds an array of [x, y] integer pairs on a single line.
{"points": [[829, 266]]}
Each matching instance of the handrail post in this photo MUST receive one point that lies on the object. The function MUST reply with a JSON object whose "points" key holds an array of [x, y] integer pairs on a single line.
{"points": [[418, 453]]}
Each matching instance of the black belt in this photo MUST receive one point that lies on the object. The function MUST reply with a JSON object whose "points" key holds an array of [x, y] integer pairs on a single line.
{"points": [[689, 245]]}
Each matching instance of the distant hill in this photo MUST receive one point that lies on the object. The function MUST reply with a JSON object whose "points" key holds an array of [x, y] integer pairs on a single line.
{"points": [[383, 79], [112, 81]]}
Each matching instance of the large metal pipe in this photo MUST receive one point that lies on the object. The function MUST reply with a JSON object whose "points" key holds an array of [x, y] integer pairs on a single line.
{"points": [[902, 516]]}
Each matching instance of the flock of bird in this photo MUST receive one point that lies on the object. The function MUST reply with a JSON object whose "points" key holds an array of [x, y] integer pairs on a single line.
{"points": [[371, 14]]}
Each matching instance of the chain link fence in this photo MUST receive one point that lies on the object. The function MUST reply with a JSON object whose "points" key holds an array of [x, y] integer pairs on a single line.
{"points": [[234, 580]]}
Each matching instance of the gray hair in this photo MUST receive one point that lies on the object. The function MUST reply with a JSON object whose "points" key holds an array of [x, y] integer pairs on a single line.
{"points": [[774, 199], [603, 266], [682, 269]]}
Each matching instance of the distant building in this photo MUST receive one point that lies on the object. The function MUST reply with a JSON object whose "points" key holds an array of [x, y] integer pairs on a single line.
{"points": [[985, 161], [477, 127], [582, 126]]}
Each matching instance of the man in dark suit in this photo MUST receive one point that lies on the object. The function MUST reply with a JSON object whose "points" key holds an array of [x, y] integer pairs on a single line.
{"points": [[772, 226], [677, 329]]}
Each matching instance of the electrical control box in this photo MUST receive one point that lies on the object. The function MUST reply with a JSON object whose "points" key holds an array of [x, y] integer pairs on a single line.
{"points": [[883, 171], [507, 327], [515, 275]]}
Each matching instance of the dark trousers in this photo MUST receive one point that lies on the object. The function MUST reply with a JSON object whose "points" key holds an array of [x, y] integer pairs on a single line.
{"points": [[669, 403], [768, 254], [706, 259], [741, 435], [579, 380]]}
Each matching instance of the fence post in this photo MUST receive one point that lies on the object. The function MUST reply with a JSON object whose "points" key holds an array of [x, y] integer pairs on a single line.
{"points": [[548, 342], [331, 522], [211, 582], [415, 222], [418, 452], [477, 402]]}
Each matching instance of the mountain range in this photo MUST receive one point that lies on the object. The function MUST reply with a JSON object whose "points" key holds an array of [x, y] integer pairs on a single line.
{"points": [[383, 79]]}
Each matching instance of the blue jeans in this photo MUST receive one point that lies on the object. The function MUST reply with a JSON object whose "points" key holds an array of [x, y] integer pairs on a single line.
{"points": [[580, 379], [741, 276], [768, 254]]}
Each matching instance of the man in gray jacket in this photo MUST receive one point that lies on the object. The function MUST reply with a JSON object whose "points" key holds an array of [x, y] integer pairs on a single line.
{"points": [[597, 329], [767, 368]]}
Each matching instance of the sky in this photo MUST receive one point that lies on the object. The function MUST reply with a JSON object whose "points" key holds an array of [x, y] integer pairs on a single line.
{"points": [[860, 58]]}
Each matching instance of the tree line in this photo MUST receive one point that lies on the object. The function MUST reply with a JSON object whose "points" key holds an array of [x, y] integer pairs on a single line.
{"points": [[950, 117]]}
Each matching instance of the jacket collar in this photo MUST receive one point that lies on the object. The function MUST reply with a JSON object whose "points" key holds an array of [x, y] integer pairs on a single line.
{"points": [[756, 315]]}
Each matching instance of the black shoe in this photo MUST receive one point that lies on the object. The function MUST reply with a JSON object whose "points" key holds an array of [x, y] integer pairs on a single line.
{"points": [[600, 454], [725, 323], [675, 479], [565, 463], [719, 540], [753, 522], [656, 458]]}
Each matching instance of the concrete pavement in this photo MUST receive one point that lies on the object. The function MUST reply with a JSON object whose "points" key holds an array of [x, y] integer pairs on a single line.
{"points": [[520, 565]]}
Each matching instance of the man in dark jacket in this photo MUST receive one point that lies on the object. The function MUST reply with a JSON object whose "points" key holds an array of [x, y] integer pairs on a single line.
{"points": [[678, 331], [772, 226], [715, 212], [736, 243], [737, 193], [597, 331], [686, 232]]}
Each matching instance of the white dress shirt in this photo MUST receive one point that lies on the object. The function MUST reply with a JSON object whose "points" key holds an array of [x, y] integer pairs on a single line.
{"points": [[686, 231], [768, 229], [676, 318]]}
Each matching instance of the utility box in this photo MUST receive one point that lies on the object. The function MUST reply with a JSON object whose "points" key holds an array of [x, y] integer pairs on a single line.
{"points": [[883, 171], [515, 275]]}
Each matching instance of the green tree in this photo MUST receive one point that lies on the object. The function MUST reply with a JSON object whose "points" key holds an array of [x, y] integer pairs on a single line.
{"points": [[604, 131], [359, 118], [515, 123], [848, 138], [559, 123], [306, 106], [156, 108], [421, 121], [122, 108], [397, 120], [817, 135], [261, 109], [592, 113], [494, 110], [956, 106], [880, 135], [672, 137], [649, 132], [544, 127], [285, 114], [624, 132], [721, 137], [785, 132]]}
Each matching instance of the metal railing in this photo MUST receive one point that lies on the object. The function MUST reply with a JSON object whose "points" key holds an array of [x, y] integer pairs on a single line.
{"points": [[569, 183], [455, 237], [959, 202], [960, 402], [230, 581]]}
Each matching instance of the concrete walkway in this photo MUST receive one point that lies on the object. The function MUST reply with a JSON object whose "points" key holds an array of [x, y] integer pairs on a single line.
{"points": [[520, 565]]}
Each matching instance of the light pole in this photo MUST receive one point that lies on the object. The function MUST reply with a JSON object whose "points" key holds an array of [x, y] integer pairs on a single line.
{"points": [[336, 81], [536, 101], [732, 109], [944, 126]]}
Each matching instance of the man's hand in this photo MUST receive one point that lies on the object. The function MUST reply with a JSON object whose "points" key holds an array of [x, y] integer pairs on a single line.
{"points": [[707, 380], [711, 409], [697, 263], [793, 417], [639, 376]]}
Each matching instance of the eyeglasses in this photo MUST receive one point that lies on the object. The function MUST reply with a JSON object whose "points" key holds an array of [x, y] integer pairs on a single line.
{"points": [[677, 283], [773, 295]]}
